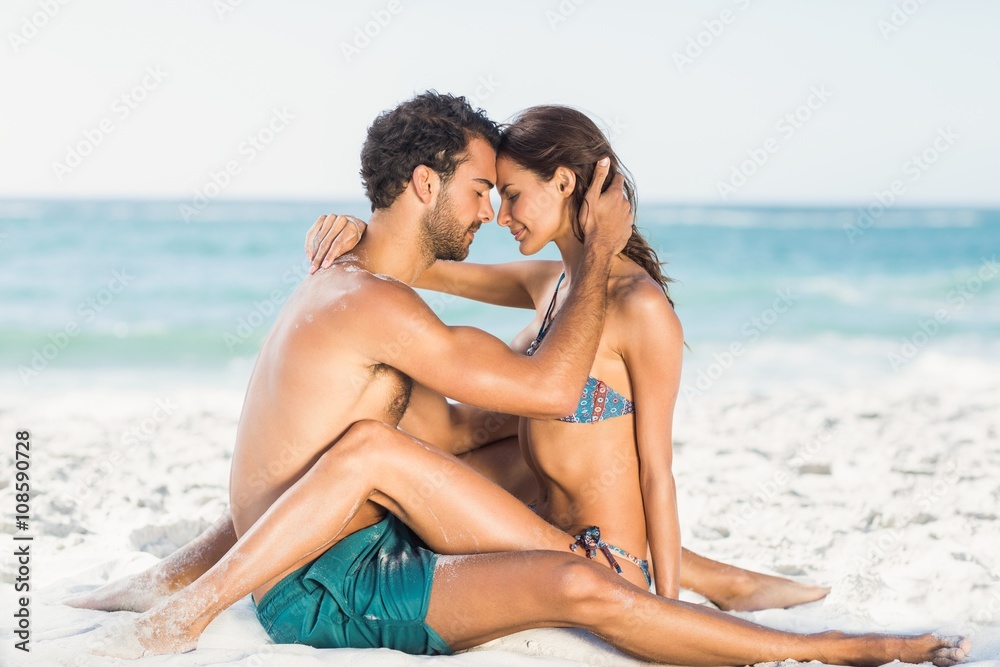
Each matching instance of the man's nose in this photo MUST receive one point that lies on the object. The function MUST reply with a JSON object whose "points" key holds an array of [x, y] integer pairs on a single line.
{"points": [[487, 214]]}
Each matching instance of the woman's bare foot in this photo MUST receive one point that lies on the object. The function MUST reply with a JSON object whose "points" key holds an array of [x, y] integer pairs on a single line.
{"points": [[753, 591], [942, 651], [139, 593]]}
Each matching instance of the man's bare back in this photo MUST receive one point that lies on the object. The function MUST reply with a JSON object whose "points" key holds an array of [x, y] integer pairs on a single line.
{"points": [[310, 383]]}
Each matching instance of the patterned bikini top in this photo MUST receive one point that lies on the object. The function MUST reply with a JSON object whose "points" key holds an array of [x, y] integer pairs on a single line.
{"points": [[598, 401]]}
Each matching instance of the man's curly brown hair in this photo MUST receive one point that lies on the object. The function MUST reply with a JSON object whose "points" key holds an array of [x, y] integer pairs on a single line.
{"points": [[432, 129]]}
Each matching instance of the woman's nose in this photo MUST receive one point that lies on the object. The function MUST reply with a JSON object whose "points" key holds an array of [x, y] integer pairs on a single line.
{"points": [[503, 217]]}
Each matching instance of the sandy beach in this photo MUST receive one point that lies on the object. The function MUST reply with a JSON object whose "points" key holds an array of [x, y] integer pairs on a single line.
{"points": [[819, 181], [888, 492]]}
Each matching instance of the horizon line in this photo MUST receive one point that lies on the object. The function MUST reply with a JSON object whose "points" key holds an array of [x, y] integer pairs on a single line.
{"points": [[786, 204]]}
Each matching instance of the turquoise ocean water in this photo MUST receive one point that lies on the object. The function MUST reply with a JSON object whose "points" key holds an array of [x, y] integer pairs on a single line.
{"points": [[129, 285]]}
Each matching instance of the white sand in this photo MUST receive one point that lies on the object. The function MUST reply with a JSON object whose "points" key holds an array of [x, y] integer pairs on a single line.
{"points": [[889, 492]]}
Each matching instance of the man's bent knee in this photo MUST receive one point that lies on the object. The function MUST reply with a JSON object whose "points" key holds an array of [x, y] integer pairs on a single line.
{"points": [[585, 588], [354, 447]]}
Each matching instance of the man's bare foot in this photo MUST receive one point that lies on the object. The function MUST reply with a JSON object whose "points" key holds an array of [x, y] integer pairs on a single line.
{"points": [[753, 591], [157, 632], [139, 593], [128, 639]]}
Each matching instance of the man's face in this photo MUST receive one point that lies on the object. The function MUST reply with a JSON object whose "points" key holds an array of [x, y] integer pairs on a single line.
{"points": [[463, 204]]}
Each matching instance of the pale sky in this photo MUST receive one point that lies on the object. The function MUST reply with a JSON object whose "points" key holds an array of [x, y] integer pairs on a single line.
{"points": [[200, 77]]}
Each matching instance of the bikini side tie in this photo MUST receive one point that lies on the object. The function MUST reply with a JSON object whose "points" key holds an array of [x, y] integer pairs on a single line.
{"points": [[591, 542]]}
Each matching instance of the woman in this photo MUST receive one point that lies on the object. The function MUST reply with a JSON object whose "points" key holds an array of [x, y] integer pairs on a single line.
{"points": [[609, 463], [523, 567]]}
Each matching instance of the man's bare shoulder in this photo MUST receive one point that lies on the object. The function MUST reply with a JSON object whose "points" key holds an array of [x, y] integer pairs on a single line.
{"points": [[347, 289]]}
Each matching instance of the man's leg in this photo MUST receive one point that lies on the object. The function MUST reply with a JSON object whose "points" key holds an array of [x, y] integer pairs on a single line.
{"points": [[455, 510], [500, 462], [451, 507], [146, 589], [488, 596]]}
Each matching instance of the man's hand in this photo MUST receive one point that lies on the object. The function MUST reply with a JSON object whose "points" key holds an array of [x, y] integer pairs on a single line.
{"points": [[606, 218], [330, 237]]}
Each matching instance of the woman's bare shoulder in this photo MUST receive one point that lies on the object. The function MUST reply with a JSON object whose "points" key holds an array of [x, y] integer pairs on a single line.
{"points": [[638, 304]]}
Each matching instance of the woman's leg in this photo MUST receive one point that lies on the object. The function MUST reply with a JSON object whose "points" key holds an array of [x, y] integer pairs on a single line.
{"points": [[729, 587], [735, 589], [492, 595], [501, 462], [457, 511]]}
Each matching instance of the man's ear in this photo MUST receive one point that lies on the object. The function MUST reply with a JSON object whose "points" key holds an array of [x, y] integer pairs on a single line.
{"points": [[565, 181], [425, 182]]}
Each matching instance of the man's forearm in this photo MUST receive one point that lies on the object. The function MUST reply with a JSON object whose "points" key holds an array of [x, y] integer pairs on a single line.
{"points": [[576, 333]]}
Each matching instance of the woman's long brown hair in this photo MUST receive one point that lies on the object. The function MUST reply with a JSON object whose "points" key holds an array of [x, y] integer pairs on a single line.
{"points": [[544, 138]]}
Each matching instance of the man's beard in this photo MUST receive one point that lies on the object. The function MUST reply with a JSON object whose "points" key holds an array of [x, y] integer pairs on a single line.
{"points": [[443, 233]]}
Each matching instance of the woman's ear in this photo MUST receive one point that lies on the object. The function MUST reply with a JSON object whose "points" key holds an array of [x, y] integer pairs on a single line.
{"points": [[565, 181], [425, 181]]}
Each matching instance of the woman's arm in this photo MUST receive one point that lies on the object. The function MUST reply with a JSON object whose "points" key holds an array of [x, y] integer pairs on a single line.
{"points": [[511, 284], [653, 354], [456, 428]]}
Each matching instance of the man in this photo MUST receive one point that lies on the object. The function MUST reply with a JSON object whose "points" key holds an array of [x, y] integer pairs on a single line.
{"points": [[336, 368]]}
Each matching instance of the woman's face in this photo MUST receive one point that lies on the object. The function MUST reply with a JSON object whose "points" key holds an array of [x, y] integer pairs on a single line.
{"points": [[534, 210]]}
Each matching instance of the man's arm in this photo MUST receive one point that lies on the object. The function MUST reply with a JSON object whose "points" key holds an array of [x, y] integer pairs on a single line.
{"points": [[474, 367]]}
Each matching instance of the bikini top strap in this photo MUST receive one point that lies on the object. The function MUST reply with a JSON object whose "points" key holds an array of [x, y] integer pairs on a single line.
{"points": [[552, 304]]}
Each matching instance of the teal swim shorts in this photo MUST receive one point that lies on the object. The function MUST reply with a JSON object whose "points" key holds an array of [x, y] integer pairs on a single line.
{"points": [[369, 590]]}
